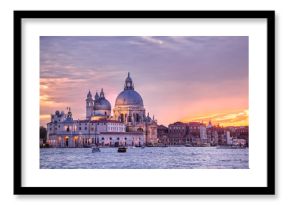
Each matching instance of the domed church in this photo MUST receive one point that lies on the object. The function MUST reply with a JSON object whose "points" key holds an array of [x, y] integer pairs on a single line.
{"points": [[129, 109]]}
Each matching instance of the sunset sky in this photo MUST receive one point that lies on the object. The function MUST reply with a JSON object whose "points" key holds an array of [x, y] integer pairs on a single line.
{"points": [[194, 78]]}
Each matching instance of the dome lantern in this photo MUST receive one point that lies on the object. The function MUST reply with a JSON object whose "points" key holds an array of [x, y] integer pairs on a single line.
{"points": [[102, 94], [129, 83]]}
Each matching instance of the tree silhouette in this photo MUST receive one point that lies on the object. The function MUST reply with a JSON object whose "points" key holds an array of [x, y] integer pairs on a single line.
{"points": [[43, 133]]}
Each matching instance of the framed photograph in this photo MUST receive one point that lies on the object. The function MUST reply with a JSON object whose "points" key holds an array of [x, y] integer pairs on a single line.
{"points": [[144, 102]]}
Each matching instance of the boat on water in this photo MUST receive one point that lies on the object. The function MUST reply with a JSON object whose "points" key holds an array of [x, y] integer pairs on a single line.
{"points": [[95, 149], [205, 145], [122, 149]]}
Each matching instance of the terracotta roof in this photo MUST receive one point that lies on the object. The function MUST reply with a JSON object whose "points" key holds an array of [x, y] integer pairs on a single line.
{"points": [[177, 123], [195, 123]]}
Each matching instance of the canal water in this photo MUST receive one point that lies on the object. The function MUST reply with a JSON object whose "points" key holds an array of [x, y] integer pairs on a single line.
{"points": [[147, 158]]}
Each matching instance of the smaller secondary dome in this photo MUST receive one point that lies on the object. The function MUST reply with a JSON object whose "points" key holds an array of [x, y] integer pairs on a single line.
{"points": [[103, 104]]}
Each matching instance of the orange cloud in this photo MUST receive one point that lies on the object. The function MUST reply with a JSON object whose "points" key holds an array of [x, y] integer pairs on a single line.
{"points": [[44, 117], [237, 118]]}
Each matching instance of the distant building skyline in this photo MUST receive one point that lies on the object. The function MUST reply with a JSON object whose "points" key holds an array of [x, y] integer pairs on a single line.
{"points": [[180, 78]]}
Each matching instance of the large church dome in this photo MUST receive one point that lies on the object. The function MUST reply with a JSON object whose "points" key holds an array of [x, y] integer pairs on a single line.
{"points": [[129, 96]]}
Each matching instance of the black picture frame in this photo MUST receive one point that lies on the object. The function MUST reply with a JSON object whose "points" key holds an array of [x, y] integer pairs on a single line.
{"points": [[18, 95]]}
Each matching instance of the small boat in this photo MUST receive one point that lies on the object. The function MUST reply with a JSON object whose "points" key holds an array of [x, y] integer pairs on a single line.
{"points": [[205, 145], [95, 149], [122, 149]]}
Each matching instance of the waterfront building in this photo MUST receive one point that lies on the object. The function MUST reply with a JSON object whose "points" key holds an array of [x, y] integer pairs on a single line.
{"points": [[128, 126], [242, 133], [203, 135], [215, 135], [229, 138], [196, 133], [200, 134], [82, 133], [162, 134], [177, 133], [193, 133]]}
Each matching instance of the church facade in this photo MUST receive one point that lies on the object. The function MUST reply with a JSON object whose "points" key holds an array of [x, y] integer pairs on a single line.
{"points": [[127, 125]]}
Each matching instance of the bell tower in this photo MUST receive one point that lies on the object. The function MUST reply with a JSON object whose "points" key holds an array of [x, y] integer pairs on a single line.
{"points": [[89, 105]]}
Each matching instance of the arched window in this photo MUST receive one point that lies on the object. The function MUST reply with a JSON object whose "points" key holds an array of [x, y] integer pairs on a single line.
{"points": [[140, 129]]}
